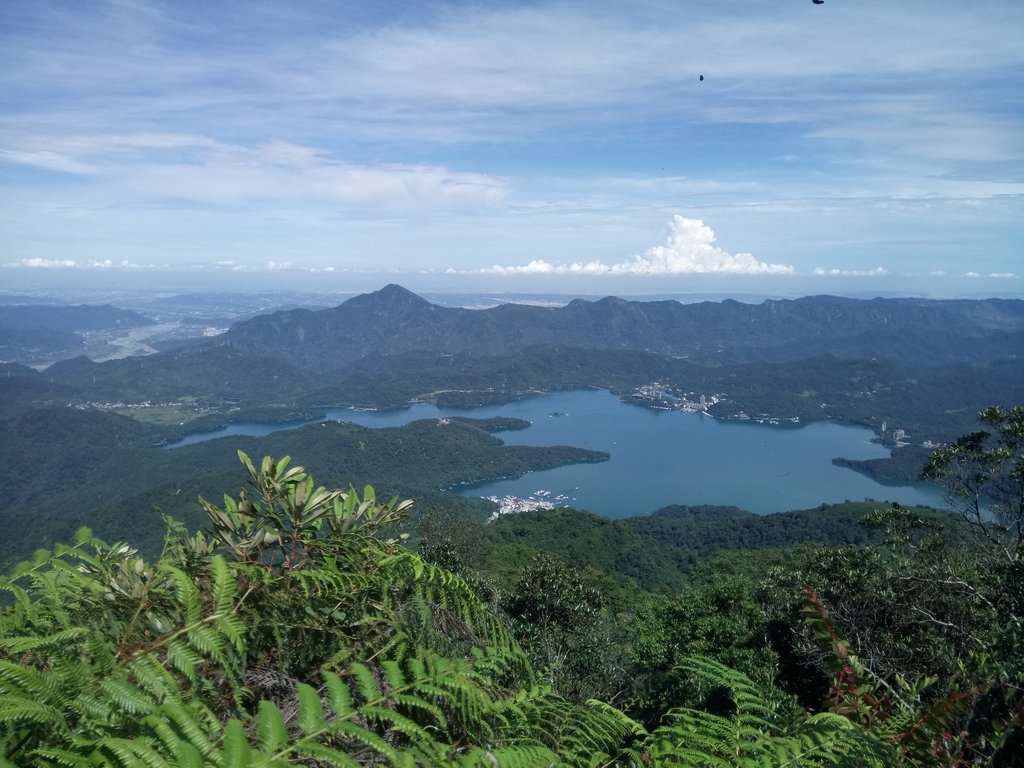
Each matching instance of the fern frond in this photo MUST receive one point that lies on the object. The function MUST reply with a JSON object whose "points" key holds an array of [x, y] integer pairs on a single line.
{"points": [[365, 682], [149, 674], [324, 754], [95, 709], [183, 658], [510, 756], [15, 645], [428, 708], [130, 753], [207, 642], [753, 734], [272, 730], [187, 723], [367, 738], [129, 698], [22, 680], [338, 694], [21, 711], [833, 740], [186, 593], [311, 711], [168, 740], [394, 720], [236, 752]]}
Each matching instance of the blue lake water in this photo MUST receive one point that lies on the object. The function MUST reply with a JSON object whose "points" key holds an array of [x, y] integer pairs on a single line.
{"points": [[660, 457]]}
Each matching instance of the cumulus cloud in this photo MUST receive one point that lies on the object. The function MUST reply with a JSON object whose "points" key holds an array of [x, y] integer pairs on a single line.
{"points": [[689, 249], [1002, 274]]}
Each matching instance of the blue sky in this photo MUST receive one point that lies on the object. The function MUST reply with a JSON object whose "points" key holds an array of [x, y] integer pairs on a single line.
{"points": [[856, 146]]}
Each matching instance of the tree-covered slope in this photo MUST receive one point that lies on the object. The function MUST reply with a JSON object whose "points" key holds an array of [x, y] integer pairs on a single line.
{"points": [[83, 317], [118, 476]]}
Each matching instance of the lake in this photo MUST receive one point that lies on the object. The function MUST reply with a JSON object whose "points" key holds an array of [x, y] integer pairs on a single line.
{"points": [[660, 457]]}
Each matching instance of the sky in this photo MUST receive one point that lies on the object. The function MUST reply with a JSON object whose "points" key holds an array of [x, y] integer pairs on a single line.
{"points": [[859, 147]]}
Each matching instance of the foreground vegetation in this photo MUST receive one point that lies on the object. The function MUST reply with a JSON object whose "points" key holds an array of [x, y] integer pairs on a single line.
{"points": [[299, 629], [292, 633]]}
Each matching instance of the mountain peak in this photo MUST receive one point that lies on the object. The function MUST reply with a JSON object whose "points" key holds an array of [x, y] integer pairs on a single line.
{"points": [[391, 298], [394, 290], [395, 294]]}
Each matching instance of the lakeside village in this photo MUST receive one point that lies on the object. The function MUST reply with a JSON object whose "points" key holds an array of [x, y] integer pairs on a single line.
{"points": [[511, 505], [664, 398]]}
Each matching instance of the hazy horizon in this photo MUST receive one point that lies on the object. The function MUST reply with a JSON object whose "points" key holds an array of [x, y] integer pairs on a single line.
{"points": [[136, 293]]}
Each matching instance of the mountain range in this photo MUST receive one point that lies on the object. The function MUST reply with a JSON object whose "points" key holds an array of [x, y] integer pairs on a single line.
{"points": [[394, 320]]}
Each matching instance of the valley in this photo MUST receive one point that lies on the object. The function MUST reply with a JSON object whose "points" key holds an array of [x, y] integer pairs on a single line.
{"points": [[405, 356]]}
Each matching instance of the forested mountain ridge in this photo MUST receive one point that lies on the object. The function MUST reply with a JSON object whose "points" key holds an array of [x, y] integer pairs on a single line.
{"points": [[40, 333], [394, 320], [81, 317], [118, 475]]}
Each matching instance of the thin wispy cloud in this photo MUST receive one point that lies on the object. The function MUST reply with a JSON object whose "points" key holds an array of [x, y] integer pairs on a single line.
{"points": [[876, 272], [193, 168], [40, 263], [230, 265], [223, 265]]}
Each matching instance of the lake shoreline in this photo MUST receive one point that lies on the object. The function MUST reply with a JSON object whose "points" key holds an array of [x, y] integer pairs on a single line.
{"points": [[604, 410]]}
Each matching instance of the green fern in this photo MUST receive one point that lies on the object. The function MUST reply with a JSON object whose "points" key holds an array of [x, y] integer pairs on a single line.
{"points": [[753, 735]]}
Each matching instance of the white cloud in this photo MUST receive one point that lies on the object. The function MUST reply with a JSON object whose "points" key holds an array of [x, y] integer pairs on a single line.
{"points": [[96, 153], [876, 272], [934, 127], [43, 263], [689, 249], [150, 166], [1002, 274], [39, 263], [230, 265]]}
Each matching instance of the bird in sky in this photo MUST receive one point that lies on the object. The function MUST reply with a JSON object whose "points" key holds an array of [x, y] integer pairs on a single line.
{"points": [[817, 2]]}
